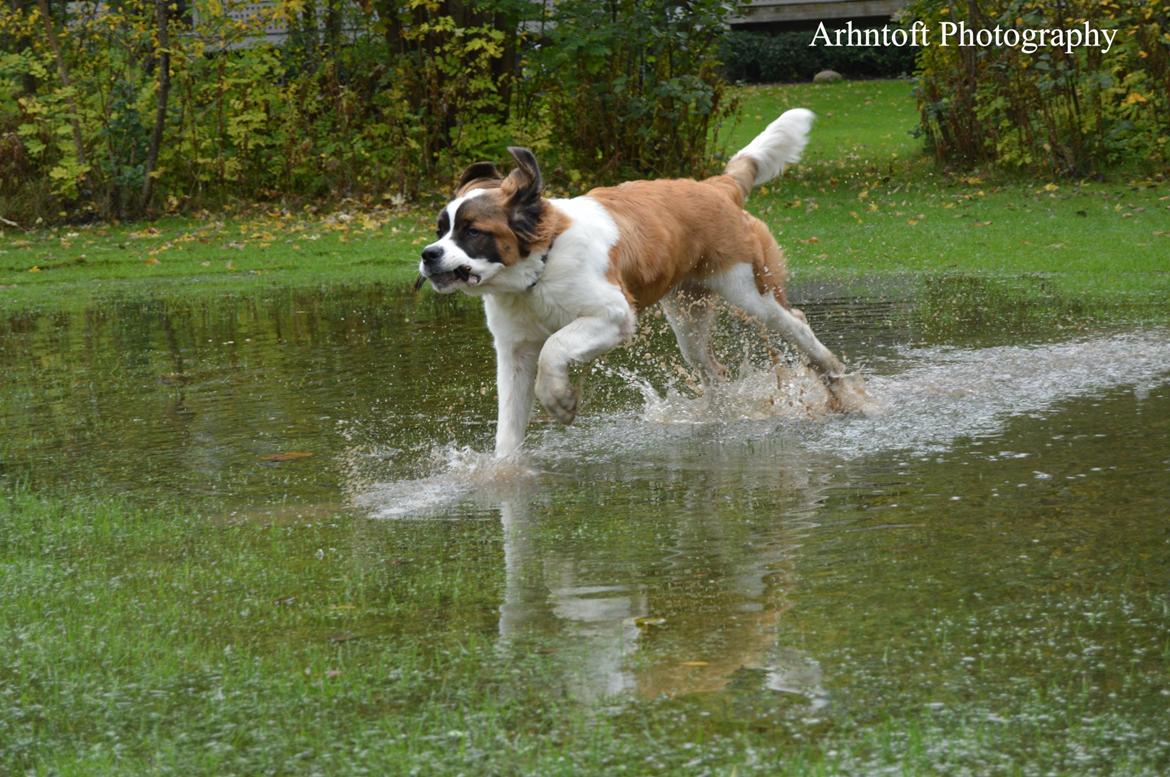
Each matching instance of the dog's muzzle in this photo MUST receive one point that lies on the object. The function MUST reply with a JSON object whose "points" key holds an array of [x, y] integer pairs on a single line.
{"points": [[432, 261]]}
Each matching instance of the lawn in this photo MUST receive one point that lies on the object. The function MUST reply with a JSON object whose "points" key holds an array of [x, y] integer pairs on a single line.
{"points": [[990, 608], [865, 201]]}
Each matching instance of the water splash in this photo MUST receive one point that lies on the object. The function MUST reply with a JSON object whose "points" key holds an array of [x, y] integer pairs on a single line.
{"points": [[450, 475], [927, 399], [756, 393], [944, 394], [776, 418]]}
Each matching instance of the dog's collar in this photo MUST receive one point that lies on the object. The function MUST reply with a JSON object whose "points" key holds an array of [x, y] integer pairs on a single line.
{"points": [[543, 265]]}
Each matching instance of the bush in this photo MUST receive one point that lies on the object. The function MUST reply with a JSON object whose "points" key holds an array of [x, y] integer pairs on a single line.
{"points": [[632, 87], [757, 57], [1049, 112], [400, 101], [375, 99]]}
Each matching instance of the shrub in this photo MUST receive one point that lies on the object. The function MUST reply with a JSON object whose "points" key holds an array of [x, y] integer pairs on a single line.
{"points": [[400, 101], [377, 98], [1049, 111], [632, 87], [757, 57]]}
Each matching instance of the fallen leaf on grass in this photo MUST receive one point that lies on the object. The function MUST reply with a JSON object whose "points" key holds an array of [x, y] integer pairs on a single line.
{"points": [[696, 663], [286, 456]]}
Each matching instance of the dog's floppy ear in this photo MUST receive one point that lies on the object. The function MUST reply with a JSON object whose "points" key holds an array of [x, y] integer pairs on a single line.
{"points": [[522, 188], [478, 176]]}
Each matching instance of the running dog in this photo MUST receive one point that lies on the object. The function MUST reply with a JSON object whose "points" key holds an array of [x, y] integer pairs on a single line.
{"points": [[564, 279]]}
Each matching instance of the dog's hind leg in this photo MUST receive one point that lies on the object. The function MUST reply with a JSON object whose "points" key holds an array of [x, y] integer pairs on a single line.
{"points": [[691, 314], [741, 286]]}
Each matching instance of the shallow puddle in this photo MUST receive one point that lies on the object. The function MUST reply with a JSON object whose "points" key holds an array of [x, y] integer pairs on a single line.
{"points": [[1001, 526]]}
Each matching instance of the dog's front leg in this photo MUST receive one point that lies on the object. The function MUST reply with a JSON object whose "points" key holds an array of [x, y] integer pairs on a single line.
{"points": [[582, 340], [515, 376]]}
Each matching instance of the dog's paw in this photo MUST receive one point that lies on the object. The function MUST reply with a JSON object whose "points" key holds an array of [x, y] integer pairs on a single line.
{"points": [[849, 396], [559, 398]]}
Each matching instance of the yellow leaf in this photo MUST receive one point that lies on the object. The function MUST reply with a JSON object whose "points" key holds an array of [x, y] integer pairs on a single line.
{"points": [[695, 663], [286, 456]]}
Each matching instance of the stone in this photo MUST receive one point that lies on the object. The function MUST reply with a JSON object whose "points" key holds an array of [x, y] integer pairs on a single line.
{"points": [[827, 77]]}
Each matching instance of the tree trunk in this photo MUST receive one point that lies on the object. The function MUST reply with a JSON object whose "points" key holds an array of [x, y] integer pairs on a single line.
{"points": [[63, 75], [164, 89]]}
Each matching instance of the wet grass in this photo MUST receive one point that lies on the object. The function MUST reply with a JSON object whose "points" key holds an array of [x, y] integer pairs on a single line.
{"points": [[142, 641], [865, 201]]}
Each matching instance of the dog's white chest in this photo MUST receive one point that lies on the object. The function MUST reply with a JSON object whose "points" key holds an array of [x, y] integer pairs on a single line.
{"points": [[527, 316], [574, 283]]}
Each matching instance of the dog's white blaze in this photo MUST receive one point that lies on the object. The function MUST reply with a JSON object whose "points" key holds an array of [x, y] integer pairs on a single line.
{"points": [[454, 256]]}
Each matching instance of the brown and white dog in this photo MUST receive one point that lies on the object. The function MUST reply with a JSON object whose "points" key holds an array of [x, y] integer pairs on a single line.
{"points": [[563, 280]]}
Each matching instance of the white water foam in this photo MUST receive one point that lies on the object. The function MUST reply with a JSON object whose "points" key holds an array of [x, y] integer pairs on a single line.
{"points": [[949, 393], [757, 393], [933, 397], [457, 474]]}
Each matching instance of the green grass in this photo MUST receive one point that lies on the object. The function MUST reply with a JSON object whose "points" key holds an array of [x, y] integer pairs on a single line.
{"points": [[136, 641], [76, 266], [865, 201]]}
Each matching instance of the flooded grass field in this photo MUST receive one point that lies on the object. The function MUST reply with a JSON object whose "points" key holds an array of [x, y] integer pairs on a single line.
{"points": [[257, 535]]}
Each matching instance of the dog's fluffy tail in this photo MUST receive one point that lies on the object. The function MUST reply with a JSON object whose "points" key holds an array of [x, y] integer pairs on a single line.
{"points": [[780, 144]]}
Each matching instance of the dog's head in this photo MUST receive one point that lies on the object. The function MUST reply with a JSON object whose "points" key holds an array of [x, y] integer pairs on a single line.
{"points": [[490, 237]]}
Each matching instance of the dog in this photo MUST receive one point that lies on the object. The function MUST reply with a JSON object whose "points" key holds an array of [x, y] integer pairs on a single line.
{"points": [[564, 279]]}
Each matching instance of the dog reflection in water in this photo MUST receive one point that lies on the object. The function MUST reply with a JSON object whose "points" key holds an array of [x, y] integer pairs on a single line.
{"points": [[613, 633]]}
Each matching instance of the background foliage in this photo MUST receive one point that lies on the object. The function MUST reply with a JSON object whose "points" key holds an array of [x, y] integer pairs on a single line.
{"points": [[633, 87], [1065, 114], [125, 108], [378, 99]]}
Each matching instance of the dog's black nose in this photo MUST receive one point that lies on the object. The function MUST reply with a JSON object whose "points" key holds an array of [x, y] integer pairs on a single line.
{"points": [[432, 254]]}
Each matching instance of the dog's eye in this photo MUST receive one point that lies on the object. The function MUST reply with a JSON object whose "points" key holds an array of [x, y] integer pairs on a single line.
{"points": [[472, 232]]}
